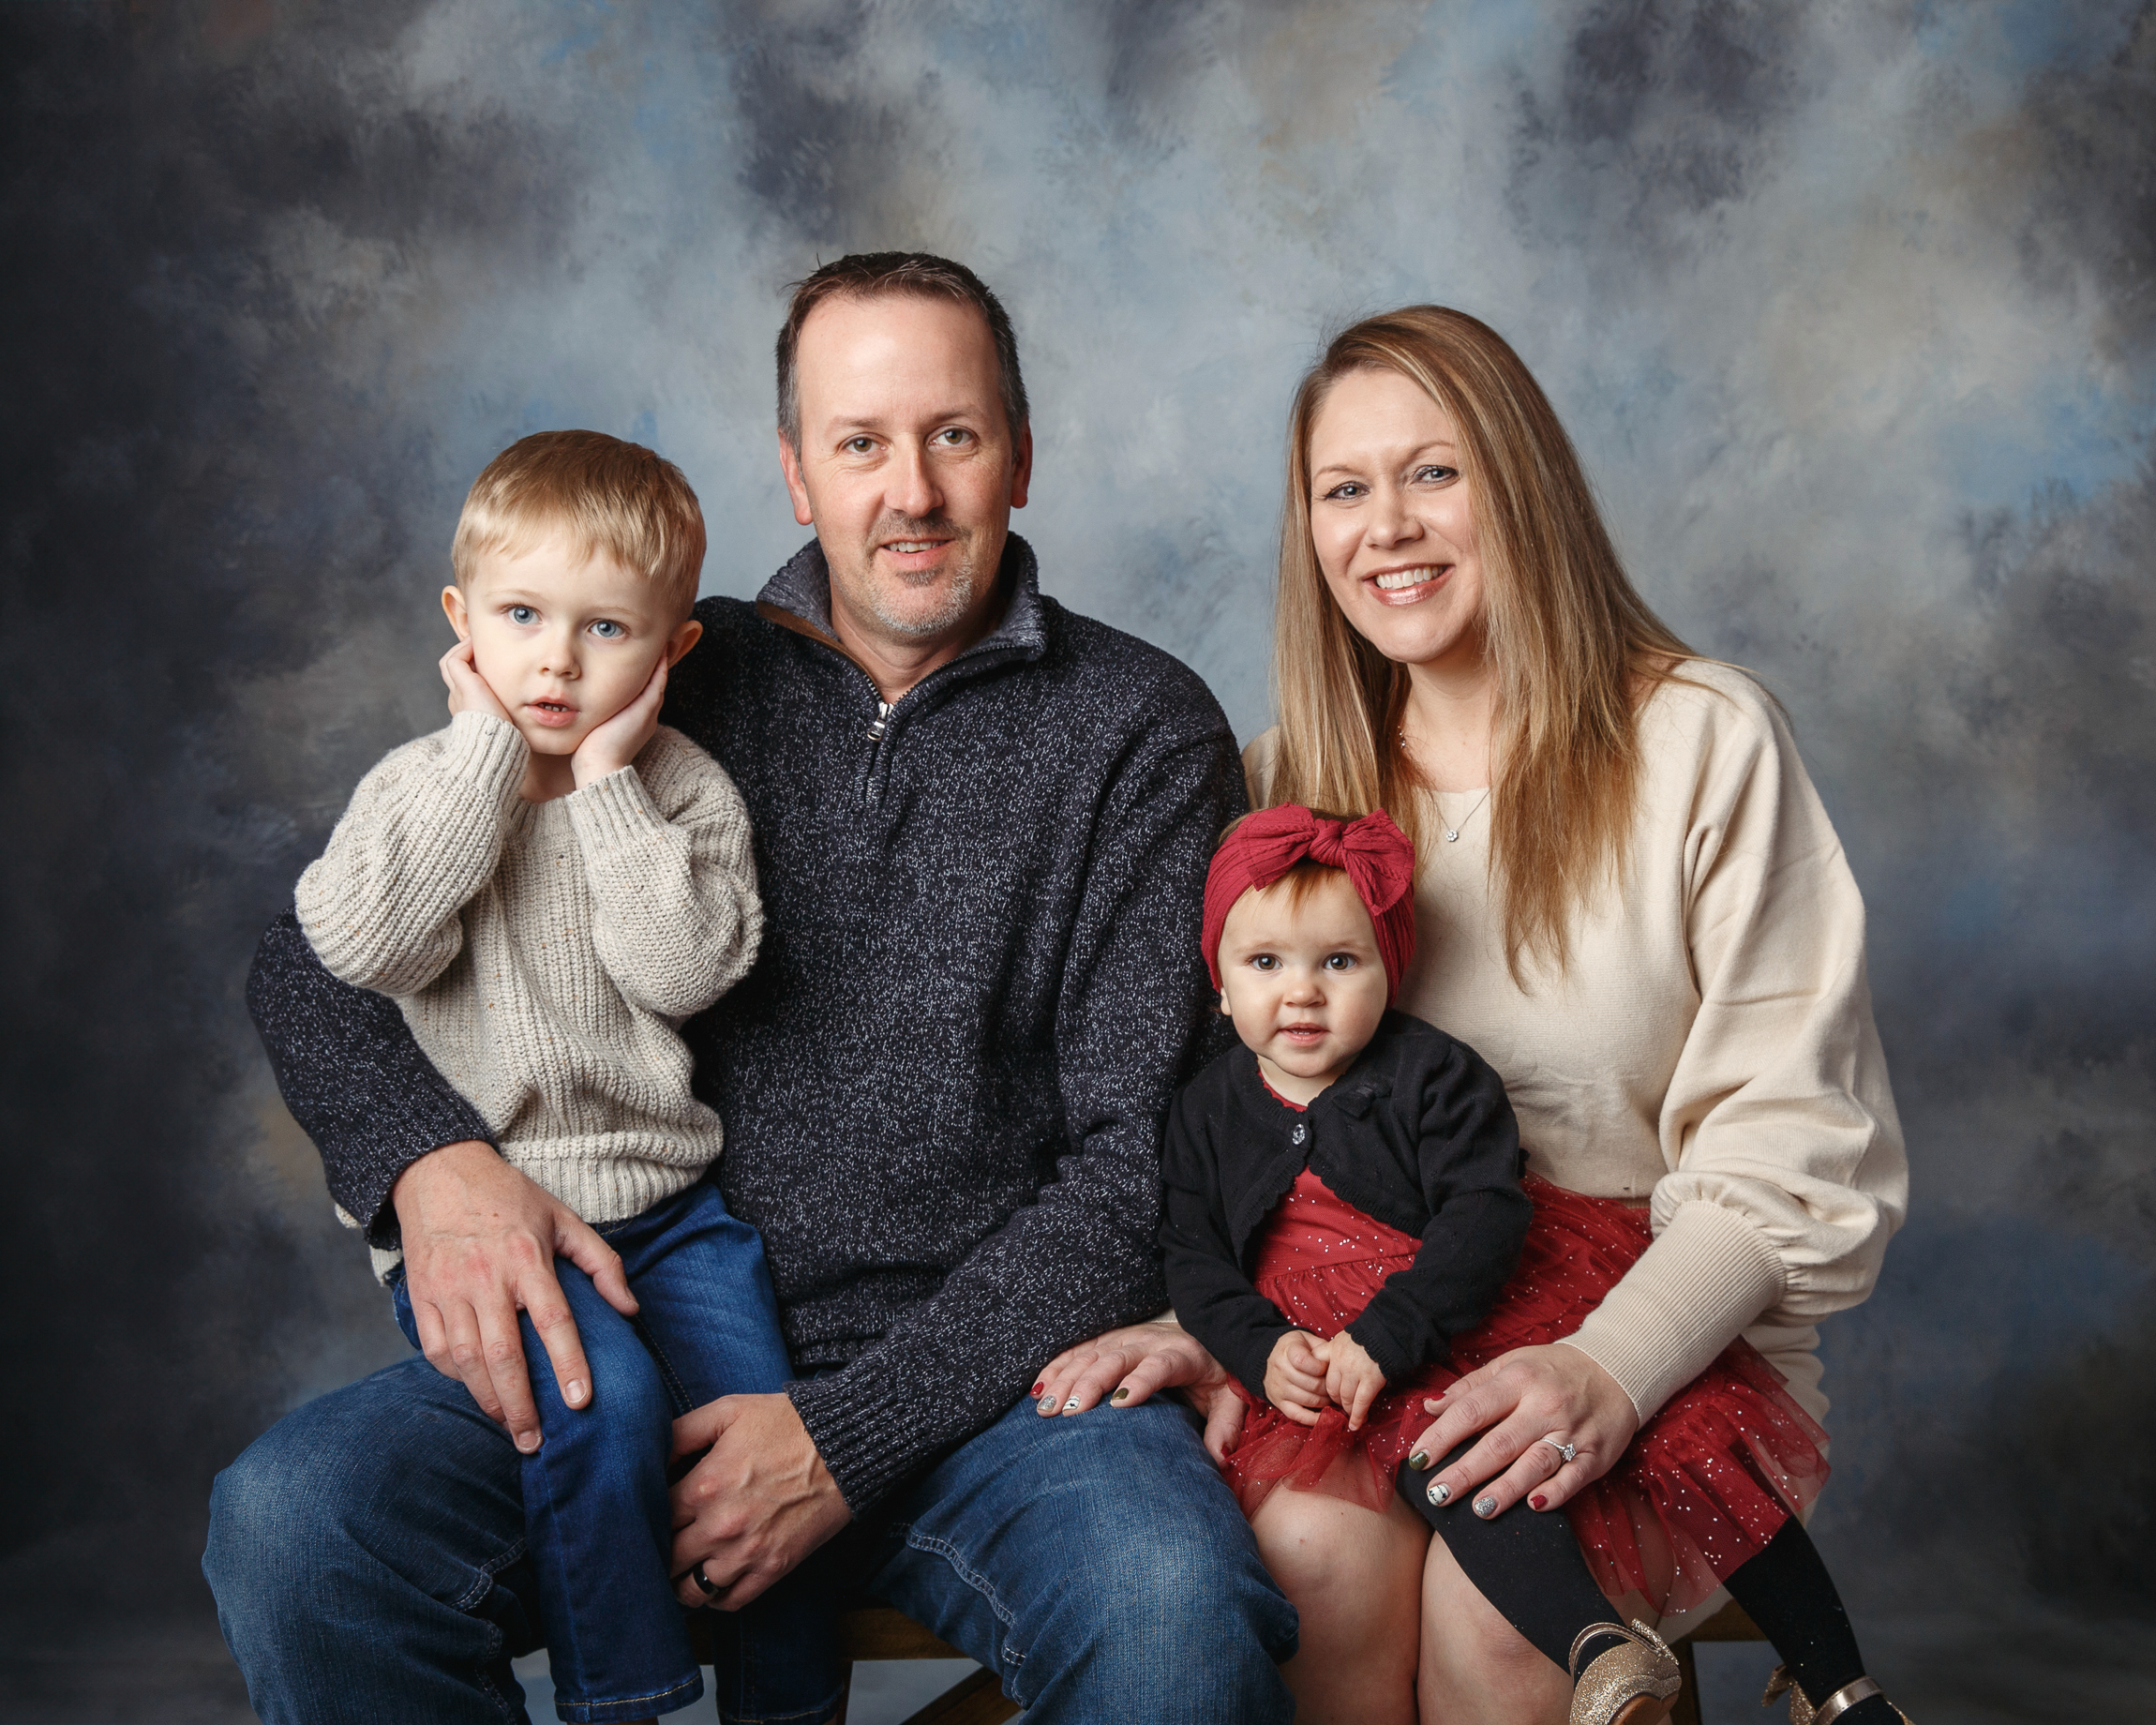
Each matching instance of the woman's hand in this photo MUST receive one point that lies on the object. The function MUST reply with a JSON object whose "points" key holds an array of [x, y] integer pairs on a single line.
{"points": [[1129, 1365], [1516, 1401]]}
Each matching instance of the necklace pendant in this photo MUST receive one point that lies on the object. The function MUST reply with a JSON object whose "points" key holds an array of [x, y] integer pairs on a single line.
{"points": [[1451, 836]]}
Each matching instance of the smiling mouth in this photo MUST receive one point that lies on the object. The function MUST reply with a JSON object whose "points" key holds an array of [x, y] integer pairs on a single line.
{"points": [[914, 547], [1303, 1032], [551, 712], [1405, 581]]}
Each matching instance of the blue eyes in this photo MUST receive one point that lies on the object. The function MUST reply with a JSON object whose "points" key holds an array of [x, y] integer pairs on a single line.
{"points": [[1348, 491], [950, 436], [606, 629]]}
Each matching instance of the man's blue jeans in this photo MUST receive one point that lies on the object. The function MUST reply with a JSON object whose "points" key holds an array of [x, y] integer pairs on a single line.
{"points": [[368, 1560], [598, 1526]]}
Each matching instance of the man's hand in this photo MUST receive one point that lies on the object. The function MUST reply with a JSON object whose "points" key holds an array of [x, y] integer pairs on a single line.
{"points": [[1295, 1376], [1139, 1359], [755, 1507], [480, 1241], [613, 744], [1352, 1378], [469, 692]]}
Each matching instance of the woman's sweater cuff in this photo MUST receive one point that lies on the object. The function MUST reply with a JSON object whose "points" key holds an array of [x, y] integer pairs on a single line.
{"points": [[614, 811], [1708, 1274]]}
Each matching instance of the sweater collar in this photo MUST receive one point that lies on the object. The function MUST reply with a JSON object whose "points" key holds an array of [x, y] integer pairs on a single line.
{"points": [[797, 597]]}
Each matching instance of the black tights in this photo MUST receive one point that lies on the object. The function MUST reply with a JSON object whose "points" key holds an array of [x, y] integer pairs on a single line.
{"points": [[1527, 1563]]}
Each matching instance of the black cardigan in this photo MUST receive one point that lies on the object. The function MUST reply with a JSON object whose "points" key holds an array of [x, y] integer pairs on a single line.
{"points": [[1417, 1133]]}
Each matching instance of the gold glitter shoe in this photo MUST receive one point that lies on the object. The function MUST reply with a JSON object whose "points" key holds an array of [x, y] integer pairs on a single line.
{"points": [[1802, 1712], [1631, 1685]]}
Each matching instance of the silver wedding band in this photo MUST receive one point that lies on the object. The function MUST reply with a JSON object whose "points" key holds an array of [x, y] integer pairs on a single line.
{"points": [[1566, 1450]]}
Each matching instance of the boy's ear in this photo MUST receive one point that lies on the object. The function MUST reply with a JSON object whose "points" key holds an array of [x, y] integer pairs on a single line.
{"points": [[453, 607], [685, 638]]}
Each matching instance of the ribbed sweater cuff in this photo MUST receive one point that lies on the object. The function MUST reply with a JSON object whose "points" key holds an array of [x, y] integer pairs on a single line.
{"points": [[1708, 1275], [615, 810], [859, 1426], [487, 753]]}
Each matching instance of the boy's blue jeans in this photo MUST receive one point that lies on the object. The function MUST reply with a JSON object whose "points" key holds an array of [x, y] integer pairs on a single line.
{"points": [[368, 1557], [598, 1526]]}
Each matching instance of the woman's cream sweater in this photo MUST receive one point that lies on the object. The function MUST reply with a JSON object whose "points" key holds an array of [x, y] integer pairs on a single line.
{"points": [[544, 953], [1710, 1050]]}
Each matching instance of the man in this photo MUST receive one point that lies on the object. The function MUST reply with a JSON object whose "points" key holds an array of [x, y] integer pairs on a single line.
{"points": [[982, 827]]}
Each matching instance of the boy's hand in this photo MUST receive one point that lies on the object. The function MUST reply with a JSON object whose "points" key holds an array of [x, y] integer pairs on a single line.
{"points": [[1295, 1376], [615, 742], [1352, 1378], [467, 689]]}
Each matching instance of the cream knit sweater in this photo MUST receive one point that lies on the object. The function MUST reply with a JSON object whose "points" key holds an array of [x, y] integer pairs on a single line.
{"points": [[1710, 1050], [544, 953]]}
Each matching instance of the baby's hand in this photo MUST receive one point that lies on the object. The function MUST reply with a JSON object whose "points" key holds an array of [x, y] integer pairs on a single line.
{"points": [[614, 743], [1352, 1378], [1295, 1376], [468, 690]]}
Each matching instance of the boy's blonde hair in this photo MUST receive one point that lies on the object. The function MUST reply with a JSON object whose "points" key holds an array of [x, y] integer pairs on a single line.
{"points": [[608, 495]]}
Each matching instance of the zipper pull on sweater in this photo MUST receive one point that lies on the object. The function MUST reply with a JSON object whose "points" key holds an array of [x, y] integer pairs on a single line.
{"points": [[876, 725]]}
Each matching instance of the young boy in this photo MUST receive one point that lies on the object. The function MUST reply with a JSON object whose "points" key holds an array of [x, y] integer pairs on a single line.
{"points": [[548, 887]]}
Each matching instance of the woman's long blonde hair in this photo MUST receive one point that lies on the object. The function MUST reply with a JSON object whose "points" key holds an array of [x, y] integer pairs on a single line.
{"points": [[1574, 646]]}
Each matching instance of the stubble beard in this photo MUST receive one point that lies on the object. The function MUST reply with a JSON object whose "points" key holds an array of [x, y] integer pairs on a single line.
{"points": [[959, 582]]}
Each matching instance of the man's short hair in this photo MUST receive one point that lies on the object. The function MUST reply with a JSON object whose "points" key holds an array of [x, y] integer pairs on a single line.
{"points": [[868, 274], [605, 494]]}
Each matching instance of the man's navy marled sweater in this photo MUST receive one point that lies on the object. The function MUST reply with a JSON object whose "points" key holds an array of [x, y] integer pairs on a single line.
{"points": [[944, 1082]]}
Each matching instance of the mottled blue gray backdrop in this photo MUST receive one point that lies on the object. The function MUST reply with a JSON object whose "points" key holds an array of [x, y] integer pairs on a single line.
{"points": [[1851, 309]]}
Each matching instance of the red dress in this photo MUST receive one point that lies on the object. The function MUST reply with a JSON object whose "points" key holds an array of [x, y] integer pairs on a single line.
{"points": [[1705, 1483]]}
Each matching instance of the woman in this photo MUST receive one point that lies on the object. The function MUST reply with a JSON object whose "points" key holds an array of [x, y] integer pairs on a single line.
{"points": [[1632, 905]]}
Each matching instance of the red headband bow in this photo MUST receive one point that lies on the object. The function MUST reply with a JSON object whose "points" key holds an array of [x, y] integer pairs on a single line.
{"points": [[1375, 855]]}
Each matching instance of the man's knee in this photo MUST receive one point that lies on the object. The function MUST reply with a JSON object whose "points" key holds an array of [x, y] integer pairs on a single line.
{"points": [[1186, 1591], [265, 1518], [1165, 1575]]}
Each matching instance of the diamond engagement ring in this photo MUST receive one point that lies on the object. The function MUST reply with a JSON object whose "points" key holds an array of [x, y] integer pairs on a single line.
{"points": [[1566, 1450]]}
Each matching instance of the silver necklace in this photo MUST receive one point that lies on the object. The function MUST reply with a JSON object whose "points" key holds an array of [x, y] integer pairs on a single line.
{"points": [[1451, 834]]}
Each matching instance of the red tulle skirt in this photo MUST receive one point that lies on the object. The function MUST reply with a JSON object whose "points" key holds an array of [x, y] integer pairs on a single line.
{"points": [[1705, 1483]]}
